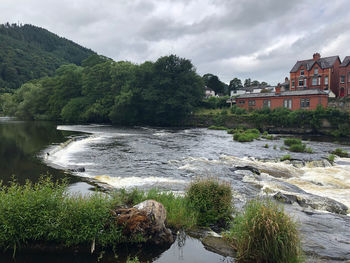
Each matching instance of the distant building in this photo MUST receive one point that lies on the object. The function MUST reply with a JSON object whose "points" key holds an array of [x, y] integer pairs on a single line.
{"points": [[344, 77], [316, 73], [301, 99], [209, 92], [237, 92]]}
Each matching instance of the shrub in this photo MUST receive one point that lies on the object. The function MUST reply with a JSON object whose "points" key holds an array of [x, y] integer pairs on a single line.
{"points": [[274, 147], [266, 146], [264, 233], [285, 157], [213, 127], [297, 148], [291, 141], [340, 152], [211, 200]]}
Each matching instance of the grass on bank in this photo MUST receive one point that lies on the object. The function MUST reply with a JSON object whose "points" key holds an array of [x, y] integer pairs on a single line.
{"points": [[264, 233], [45, 213]]}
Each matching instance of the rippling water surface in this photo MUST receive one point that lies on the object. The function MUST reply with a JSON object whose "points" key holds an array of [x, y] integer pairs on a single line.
{"points": [[169, 159]]}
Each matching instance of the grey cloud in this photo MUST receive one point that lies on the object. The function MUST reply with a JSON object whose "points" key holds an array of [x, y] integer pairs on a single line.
{"points": [[260, 39]]}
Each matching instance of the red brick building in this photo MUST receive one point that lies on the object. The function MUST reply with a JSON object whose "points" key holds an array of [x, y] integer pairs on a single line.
{"points": [[344, 78], [307, 99], [316, 73]]}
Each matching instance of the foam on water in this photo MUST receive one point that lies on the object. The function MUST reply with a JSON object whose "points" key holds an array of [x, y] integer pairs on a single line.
{"points": [[62, 155], [129, 182]]}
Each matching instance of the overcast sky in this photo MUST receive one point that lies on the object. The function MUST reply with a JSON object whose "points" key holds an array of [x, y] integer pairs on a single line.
{"points": [[260, 39]]}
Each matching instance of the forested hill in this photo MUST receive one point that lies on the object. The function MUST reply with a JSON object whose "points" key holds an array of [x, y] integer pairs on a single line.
{"points": [[29, 52]]}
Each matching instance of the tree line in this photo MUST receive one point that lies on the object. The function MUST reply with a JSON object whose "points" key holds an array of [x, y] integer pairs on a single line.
{"points": [[214, 83], [102, 90]]}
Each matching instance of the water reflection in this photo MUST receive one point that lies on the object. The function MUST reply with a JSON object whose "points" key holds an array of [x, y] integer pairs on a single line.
{"points": [[20, 143]]}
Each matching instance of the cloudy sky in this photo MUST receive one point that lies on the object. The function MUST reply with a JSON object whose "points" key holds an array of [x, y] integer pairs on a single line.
{"points": [[260, 39]]}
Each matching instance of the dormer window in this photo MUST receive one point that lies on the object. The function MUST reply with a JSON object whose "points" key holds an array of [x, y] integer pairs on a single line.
{"points": [[316, 71], [302, 72]]}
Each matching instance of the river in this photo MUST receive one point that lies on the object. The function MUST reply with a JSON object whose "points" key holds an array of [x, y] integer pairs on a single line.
{"points": [[169, 159]]}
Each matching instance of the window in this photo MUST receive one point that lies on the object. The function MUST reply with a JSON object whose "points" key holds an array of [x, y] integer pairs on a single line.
{"points": [[287, 103], [302, 72], [304, 103], [293, 84], [241, 102], [319, 81], [251, 102], [267, 103], [342, 79], [301, 82], [315, 71], [349, 76], [326, 80], [314, 81], [305, 83]]}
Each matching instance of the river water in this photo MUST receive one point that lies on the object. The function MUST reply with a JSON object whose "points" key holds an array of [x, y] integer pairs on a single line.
{"points": [[168, 159]]}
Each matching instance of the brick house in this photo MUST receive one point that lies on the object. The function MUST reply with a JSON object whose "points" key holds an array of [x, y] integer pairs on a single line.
{"points": [[344, 78], [307, 99], [316, 73]]}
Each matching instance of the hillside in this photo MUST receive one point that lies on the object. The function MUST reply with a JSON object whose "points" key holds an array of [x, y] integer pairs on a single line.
{"points": [[29, 52]]}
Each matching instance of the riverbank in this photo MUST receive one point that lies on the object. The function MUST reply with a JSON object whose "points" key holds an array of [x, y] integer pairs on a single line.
{"points": [[330, 121], [42, 217]]}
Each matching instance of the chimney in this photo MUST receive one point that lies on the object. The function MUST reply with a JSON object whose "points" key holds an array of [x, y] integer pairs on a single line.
{"points": [[278, 89], [286, 79], [316, 56]]}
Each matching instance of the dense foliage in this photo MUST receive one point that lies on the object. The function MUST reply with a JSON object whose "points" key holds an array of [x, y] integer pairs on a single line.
{"points": [[29, 52], [101, 90]]}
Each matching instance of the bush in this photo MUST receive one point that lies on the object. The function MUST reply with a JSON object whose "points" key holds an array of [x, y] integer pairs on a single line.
{"points": [[266, 146], [340, 152], [291, 141], [285, 157], [211, 200], [297, 148], [264, 233]]}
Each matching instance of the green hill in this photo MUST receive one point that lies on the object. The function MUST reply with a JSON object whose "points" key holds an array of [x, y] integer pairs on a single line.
{"points": [[29, 52]]}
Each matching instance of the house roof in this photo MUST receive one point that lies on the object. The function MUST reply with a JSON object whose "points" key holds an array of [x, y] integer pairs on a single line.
{"points": [[346, 61], [283, 93], [324, 63]]}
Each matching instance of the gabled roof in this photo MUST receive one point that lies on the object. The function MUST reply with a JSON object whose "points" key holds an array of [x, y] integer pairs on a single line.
{"points": [[305, 92], [346, 61], [324, 63]]}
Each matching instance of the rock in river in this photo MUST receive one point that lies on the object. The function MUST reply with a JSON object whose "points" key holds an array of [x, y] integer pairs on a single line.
{"points": [[146, 219]]}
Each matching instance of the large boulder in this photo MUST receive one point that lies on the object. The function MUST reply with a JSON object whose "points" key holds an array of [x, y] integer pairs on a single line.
{"points": [[146, 219]]}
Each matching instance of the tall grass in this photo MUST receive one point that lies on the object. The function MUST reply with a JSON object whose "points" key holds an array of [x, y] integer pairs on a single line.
{"points": [[45, 213], [264, 233]]}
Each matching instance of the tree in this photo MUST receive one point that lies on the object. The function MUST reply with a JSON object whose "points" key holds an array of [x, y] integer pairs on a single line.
{"points": [[235, 85], [255, 83], [247, 82], [213, 82], [264, 84], [175, 90]]}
